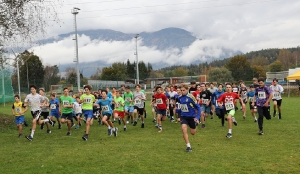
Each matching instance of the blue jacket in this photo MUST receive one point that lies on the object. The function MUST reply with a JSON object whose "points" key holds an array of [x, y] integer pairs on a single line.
{"points": [[189, 105], [215, 97]]}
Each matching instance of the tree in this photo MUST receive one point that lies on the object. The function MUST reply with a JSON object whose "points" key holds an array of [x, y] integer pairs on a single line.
{"points": [[51, 76], [31, 65], [115, 72], [24, 19], [71, 74], [286, 58], [239, 67], [276, 66], [179, 72], [97, 74], [220, 75], [258, 71], [259, 61]]}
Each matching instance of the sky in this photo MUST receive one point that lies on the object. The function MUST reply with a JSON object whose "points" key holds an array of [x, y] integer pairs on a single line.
{"points": [[239, 25]]}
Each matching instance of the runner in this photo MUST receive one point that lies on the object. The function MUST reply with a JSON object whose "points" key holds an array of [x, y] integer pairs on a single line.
{"points": [[139, 97], [243, 94], [255, 83], [119, 112], [154, 106], [177, 105], [190, 114], [212, 90], [54, 109], [250, 96], [45, 110], [66, 109], [277, 99], [87, 101], [162, 104], [128, 97], [171, 109], [205, 103], [77, 107], [263, 96], [35, 101], [105, 104], [18, 109], [220, 111], [228, 100], [193, 87]]}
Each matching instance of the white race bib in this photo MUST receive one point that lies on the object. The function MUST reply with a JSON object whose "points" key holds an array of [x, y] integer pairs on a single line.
{"points": [[184, 108], [178, 105], [261, 95], [137, 101], [128, 99], [251, 99], [17, 109], [204, 101], [234, 90], [87, 100], [52, 106], [276, 95], [66, 103], [105, 108], [159, 101], [229, 105]]}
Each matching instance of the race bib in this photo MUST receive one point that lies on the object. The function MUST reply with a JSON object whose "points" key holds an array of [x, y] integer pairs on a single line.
{"points": [[52, 106], [66, 103], [17, 109], [234, 90], [261, 95], [204, 101], [184, 108], [117, 105], [128, 99], [197, 96], [229, 105], [276, 95], [105, 108], [178, 105], [87, 100], [137, 101], [251, 99], [159, 101]]}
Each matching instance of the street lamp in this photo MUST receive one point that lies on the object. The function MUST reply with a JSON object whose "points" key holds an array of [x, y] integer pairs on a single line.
{"points": [[75, 12], [137, 60]]}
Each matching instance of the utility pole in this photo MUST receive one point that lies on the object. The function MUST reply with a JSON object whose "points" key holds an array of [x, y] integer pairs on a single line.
{"points": [[75, 12], [137, 60]]}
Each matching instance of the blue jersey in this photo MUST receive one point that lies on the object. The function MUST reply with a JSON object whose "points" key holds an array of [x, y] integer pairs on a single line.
{"points": [[54, 105], [176, 98], [105, 105], [251, 94], [188, 106], [215, 97], [167, 95], [109, 95]]}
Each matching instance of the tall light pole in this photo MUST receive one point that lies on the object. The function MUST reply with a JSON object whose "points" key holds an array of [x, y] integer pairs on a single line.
{"points": [[2, 71], [137, 60], [18, 72], [75, 12]]}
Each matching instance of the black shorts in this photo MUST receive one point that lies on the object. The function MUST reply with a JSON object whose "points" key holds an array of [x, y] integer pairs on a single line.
{"points": [[264, 111], [36, 114], [107, 115], [68, 116], [45, 114], [188, 121], [113, 106], [220, 112], [139, 110], [252, 107], [278, 102], [245, 101]]}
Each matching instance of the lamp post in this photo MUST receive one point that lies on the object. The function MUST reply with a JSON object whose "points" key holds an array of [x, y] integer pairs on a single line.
{"points": [[75, 12], [2, 71], [137, 60]]}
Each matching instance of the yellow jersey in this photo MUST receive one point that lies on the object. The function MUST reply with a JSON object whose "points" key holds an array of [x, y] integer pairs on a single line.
{"points": [[18, 108]]}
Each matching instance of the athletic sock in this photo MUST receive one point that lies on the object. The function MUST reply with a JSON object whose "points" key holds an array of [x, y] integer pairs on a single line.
{"points": [[188, 145], [45, 120], [230, 131], [32, 133]]}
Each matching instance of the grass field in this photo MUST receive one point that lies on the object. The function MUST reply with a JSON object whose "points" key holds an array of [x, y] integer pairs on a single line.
{"points": [[147, 151]]}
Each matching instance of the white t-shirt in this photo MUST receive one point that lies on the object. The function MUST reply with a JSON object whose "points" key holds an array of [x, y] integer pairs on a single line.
{"points": [[77, 108], [137, 101], [34, 101], [277, 95]]}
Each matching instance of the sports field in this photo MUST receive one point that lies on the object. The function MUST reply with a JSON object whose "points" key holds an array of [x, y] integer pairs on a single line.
{"points": [[146, 151]]}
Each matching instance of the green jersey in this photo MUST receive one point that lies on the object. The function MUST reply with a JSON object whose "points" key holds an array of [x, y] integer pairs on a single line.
{"points": [[66, 100], [119, 101], [128, 97], [87, 101]]}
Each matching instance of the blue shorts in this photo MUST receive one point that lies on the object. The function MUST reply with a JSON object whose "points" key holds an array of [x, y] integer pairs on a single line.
{"points": [[162, 112], [205, 109], [55, 114], [68, 116], [129, 108], [19, 119], [88, 114]]}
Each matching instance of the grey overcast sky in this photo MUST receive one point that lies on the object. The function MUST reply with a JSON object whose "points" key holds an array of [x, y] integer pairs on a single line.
{"points": [[245, 25]]}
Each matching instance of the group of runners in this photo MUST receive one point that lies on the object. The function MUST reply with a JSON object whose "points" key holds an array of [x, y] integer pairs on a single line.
{"points": [[191, 105]]}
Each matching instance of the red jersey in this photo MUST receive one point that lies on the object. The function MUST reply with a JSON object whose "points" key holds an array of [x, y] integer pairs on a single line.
{"points": [[228, 100], [196, 94], [161, 101]]}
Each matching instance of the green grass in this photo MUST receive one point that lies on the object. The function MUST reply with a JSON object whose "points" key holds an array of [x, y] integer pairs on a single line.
{"points": [[147, 151]]}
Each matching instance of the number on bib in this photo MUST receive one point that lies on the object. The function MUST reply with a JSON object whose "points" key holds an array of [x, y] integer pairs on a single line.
{"points": [[137, 101], [204, 101], [66, 103], [276, 95], [52, 106], [261, 95], [184, 108], [87, 100], [159, 101], [251, 99], [18, 109], [229, 106], [105, 108]]}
